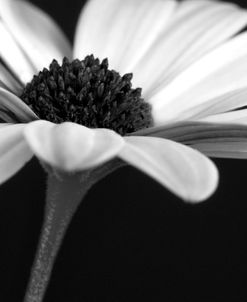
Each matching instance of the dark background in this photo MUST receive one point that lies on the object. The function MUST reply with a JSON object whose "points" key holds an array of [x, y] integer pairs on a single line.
{"points": [[131, 240]]}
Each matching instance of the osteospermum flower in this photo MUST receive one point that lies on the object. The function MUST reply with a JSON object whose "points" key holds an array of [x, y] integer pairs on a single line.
{"points": [[82, 117]]}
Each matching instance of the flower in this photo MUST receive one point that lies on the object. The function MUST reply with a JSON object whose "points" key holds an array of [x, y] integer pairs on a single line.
{"points": [[189, 59], [77, 116]]}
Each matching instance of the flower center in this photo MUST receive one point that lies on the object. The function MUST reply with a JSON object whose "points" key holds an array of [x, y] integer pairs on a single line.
{"points": [[88, 93]]}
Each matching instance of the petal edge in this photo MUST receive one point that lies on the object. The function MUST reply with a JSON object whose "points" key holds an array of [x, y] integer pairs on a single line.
{"points": [[186, 172]]}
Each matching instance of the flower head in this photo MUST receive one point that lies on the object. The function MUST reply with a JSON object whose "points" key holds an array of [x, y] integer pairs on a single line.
{"points": [[78, 113], [88, 93]]}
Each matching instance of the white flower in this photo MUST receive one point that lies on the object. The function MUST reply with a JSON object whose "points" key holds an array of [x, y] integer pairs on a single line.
{"points": [[186, 56]]}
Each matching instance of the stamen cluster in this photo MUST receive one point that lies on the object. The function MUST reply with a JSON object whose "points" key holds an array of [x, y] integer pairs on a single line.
{"points": [[88, 93]]}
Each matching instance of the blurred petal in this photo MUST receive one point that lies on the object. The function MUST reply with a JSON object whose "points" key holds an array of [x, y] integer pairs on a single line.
{"points": [[13, 109], [184, 171], [72, 147], [37, 34], [120, 30], [231, 149], [233, 117], [14, 151], [9, 81], [213, 139], [12, 54], [219, 73], [230, 101], [187, 132], [196, 28]]}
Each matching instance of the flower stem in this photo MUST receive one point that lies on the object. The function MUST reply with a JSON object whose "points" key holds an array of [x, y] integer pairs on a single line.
{"points": [[64, 194], [63, 197]]}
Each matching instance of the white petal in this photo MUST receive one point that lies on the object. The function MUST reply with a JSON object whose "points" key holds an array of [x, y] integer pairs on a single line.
{"points": [[229, 101], [120, 30], [7, 78], [14, 151], [233, 117], [72, 147], [37, 34], [196, 28], [219, 73], [13, 109], [13, 56], [184, 171]]}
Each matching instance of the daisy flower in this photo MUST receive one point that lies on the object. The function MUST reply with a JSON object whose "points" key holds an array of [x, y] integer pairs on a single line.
{"points": [[83, 117]]}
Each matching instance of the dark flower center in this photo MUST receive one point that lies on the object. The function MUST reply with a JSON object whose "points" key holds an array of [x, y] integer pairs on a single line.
{"points": [[88, 93]]}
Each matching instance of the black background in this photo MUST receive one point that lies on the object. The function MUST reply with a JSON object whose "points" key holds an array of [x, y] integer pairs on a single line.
{"points": [[131, 240]]}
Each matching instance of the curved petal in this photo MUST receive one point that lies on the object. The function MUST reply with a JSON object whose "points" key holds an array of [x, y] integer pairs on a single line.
{"points": [[197, 27], [72, 147], [14, 151], [37, 34], [186, 172], [13, 56], [13, 109], [120, 30], [222, 71]]}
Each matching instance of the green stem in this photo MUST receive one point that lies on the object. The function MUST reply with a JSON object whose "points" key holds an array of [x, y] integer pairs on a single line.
{"points": [[64, 194]]}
